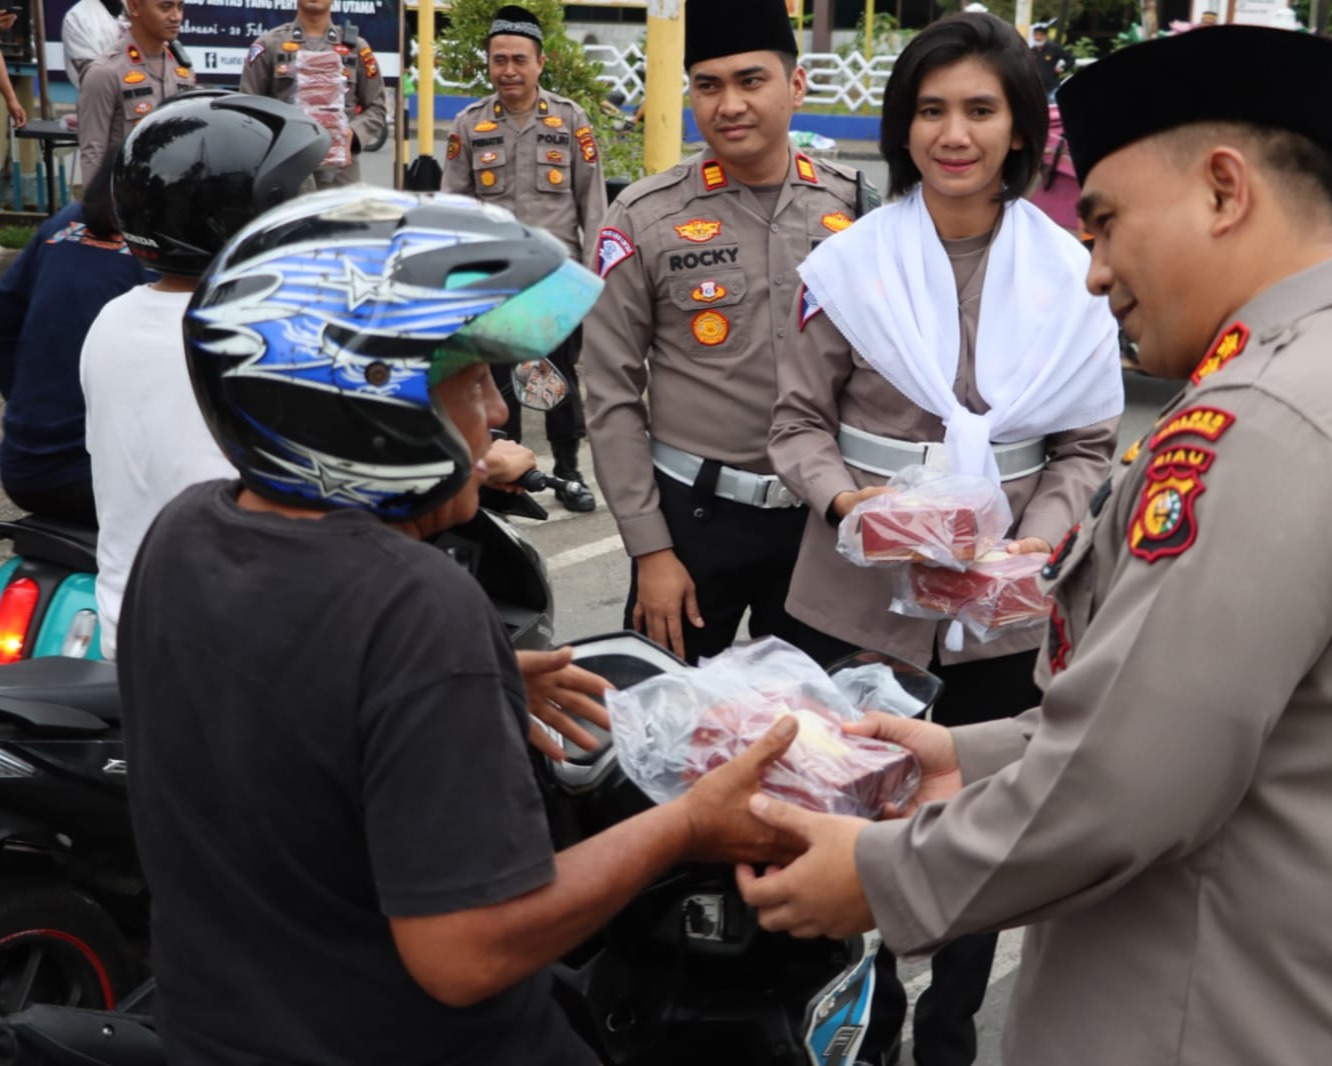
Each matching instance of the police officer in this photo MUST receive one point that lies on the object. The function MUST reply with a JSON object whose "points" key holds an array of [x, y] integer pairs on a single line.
{"points": [[700, 269], [271, 70], [534, 153], [146, 66], [1159, 823]]}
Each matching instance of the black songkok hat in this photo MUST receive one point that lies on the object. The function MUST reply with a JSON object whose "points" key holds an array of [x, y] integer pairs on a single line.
{"points": [[727, 27], [1251, 74], [517, 22]]}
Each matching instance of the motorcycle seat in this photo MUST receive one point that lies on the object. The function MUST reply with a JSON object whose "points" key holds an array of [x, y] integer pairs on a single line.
{"points": [[83, 684]]}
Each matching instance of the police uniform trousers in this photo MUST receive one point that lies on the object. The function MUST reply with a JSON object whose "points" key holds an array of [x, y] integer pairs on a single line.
{"points": [[945, 1028], [565, 424], [740, 557]]}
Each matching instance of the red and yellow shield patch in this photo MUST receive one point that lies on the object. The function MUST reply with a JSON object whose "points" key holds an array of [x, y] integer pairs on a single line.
{"points": [[455, 146], [1164, 523]]}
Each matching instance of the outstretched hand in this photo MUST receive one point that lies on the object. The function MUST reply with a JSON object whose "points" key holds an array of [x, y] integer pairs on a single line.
{"points": [[558, 694], [722, 826], [819, 894], [932, 744]]}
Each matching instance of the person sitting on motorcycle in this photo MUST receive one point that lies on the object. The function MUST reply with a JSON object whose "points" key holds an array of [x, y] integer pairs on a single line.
{"points": [[331, 794]]}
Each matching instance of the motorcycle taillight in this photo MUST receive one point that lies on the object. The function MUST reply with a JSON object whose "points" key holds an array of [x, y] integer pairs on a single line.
{"points": [[17, 606]]}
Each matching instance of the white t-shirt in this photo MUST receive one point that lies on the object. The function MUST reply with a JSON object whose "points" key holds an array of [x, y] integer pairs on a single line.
{"points": [[145, 434], [87, 31]]}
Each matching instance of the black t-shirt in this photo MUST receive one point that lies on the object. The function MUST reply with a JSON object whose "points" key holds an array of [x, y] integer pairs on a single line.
{"points": [[325, 725], [1049, 56]]}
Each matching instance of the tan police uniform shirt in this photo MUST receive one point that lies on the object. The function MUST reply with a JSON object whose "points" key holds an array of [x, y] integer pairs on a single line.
{"points": [[822, 382], [545, 168], [118, 88], [1162, 822], [699, 287], [270, 70]]}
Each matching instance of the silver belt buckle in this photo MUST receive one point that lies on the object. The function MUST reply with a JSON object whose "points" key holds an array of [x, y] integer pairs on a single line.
{"points": [[778, 495]]}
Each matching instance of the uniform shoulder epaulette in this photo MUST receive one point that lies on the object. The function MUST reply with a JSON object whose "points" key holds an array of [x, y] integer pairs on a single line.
{"points": [[838, 176], [655, 183]]}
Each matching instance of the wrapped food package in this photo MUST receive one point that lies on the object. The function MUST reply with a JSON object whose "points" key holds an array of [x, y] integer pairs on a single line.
{"points": [[995, 595], [673, 728], [321, 89], [926, 516]]}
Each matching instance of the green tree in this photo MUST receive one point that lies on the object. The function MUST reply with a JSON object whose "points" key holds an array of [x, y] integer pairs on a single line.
{"points": [[461, 57]]}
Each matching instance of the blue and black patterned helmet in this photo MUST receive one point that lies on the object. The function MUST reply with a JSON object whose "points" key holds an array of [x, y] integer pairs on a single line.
{"points": [[316, 335]]}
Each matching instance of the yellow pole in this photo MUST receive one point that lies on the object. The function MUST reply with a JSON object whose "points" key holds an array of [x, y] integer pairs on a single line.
{"points": [[800, 26], [425, 77], [663, 127], [869, 29]]}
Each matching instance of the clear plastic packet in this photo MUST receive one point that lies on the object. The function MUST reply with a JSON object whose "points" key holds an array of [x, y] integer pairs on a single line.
{"points": [[995, 596], [929, 516], [321, 90], [673, 728]]}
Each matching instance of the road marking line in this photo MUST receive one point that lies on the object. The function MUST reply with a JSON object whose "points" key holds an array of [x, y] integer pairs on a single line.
{"points": [[584, 553]]}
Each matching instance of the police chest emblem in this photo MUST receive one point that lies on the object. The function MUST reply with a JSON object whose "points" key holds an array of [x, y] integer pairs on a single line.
{"points": [[554, 157], [282, 70], [291, 46], [455, 146], [837, 221], [487, 178], [613, 248], [485, 127], [1230, 344], [142, 108], [489, 157], [555, 177], [1164, 523], [134, 77], [699, 230], [553, 121], [711, 328], [709, 292]]}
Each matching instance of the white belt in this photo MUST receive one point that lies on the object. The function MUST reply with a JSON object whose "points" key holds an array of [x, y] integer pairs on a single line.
{"points": [[887, 456], [755, 490]]}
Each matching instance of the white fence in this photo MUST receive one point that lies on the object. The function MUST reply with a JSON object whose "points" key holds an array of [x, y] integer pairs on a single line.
{"points": [[851, 82]]}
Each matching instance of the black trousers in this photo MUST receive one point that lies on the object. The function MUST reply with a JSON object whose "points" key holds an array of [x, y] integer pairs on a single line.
{"points": [[72, 503], [565, 424], [945, 1029], [740, 558]]}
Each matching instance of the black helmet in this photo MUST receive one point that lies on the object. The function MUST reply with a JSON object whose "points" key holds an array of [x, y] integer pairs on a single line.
{"points": [[202, 165], [315, 338]]}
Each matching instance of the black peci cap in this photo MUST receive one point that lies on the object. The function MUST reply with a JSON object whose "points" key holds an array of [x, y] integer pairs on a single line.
{"points": [[728, 27], [517, 22], [1266, 77]]}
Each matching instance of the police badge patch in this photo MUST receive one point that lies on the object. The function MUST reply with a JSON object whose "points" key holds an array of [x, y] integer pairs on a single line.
{"points": [[613, 248], [256, 50], [809, 306], [1164, 523]]}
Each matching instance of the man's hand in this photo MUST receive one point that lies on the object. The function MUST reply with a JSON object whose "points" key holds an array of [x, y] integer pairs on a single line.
{"points": [[16, 113], [504, 464], [941, 776], [665, 591], [819, 894], [556, 692], [1029, 546], [844, 502], [722, 827]]}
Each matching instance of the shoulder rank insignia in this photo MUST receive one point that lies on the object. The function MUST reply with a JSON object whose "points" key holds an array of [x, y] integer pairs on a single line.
{"points": [[485, 127], [1164, 523], [699, 230], [134, 77], [613, 248], [1230, 344], [455, 146], [837, 221], [1057, 642], [1206, 422], [714, 177], [1134, 450], [809, 306], [256, 50], [805, 169], [183, 72], [135, 56]]}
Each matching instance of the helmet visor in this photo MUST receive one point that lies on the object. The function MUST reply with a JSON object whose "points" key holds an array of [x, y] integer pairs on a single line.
{"points": [[527, 326]]}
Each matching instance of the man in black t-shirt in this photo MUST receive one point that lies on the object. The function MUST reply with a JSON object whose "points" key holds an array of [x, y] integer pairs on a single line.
{"points": [[331, 790], [1053, 61]]}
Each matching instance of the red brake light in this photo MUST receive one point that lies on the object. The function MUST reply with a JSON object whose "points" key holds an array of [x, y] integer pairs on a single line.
{"points": [[17, 605]]}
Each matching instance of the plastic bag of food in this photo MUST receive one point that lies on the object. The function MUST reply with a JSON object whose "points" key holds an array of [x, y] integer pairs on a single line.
{"points": [[928, 515], [996, 595], [673, 728], [321, 91]]}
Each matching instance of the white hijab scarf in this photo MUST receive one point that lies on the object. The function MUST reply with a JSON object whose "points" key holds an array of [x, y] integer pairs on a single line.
{"points": [[1047, 352]]}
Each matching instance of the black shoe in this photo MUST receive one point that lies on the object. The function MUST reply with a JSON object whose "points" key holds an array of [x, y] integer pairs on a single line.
{"points": [[576, 496]]}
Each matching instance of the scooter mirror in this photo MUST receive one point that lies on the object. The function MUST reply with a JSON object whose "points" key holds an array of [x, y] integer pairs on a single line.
{"points": [[539, 385]]}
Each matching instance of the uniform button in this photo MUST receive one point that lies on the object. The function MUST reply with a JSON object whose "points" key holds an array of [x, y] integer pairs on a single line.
{"points": [[680, 294], [780, 279], [776, 228], [781, 331], [699, 512]]}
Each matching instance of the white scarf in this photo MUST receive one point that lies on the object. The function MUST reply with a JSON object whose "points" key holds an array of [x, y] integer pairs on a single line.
{"points": [[1047, 352]]}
